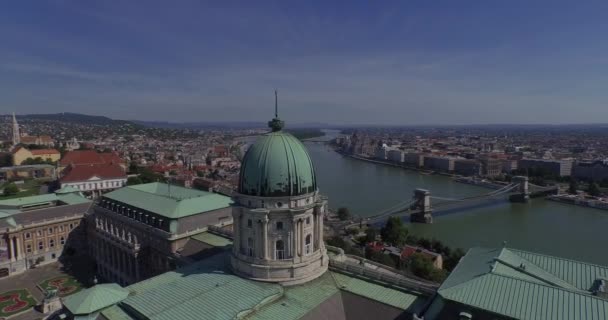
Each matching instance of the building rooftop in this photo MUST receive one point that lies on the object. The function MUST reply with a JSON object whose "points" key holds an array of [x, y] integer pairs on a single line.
{"points": [[95, 298], [87, 172], [524, 285], [168, 200], [88, 157], [208, 290], [43, 199]]}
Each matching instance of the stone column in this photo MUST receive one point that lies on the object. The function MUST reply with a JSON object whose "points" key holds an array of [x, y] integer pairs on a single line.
{"points": [[302, 238], [321, 215], [265, 238], [136, 269], [11, 248], [236, 229], [296, 239], [18, 249], [315, 235]]}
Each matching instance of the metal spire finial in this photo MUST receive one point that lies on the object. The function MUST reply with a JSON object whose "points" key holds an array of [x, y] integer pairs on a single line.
{"points": [[276, 104], [276, 124]]}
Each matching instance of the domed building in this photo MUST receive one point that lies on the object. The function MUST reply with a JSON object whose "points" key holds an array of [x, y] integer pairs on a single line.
{"points": [[278, 212]]}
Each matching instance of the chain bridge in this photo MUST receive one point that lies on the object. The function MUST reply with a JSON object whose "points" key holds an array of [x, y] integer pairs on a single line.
{"points": [[421, 209]]}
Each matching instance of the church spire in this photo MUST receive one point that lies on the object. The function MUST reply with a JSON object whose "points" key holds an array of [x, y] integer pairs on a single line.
{"points": [[276, 124], [16, 134]]}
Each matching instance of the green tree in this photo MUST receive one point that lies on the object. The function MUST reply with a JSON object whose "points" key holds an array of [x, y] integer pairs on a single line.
{"points": [[370, 235], [450, 261], [379, 257], [422, 266], [394, 232], [133, 181], [10, 189], [343, 213], [594, 189], [133, 168], [573, 186]]}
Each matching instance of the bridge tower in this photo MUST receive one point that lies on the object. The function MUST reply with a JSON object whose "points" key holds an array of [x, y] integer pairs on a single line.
{"points": [[423, 213], [523, 192]]}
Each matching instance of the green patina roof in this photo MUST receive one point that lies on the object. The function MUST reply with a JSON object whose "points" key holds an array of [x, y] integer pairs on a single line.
{"points": [[67, 189], [95, 298], [370, 290], [277, 164], [526, 285], [200, 291], [208, 290], [169, 201], [212, 239], [29, 201]]}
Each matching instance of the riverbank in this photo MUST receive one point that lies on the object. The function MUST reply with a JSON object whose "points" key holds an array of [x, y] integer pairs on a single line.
{"points": [[574, 200], [392, 164]]}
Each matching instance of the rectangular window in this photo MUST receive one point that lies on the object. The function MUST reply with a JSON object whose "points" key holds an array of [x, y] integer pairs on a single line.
{"points": [[249, 223]]}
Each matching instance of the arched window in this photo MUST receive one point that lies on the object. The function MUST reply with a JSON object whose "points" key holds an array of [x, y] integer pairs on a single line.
{"points": [[279, 250], [308, 245], [250, 251], [280, 225], [40, 245]]}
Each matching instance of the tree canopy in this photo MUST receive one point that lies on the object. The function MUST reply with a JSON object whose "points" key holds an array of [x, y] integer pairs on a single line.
{"points": [[10, 189], [343, 213], [394, 232]]}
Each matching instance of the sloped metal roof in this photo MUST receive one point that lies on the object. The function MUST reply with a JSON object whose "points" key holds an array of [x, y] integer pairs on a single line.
{"points": [[525, 285], [95, 298], [169, 201]]}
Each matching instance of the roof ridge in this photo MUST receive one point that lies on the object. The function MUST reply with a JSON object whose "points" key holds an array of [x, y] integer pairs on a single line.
{"points": [[526, 272], [559, 258], [586, 293]]}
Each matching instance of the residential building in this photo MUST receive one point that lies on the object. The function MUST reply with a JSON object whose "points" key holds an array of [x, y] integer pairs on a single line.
{"points": [[94, 180], [491, 167], [439, 163], [467, 167], [591, 171], [20, 154], [36, 230], [509, 165], [36, 171], [561, 168], [381, 152], [503, 283], [395, 155], [136, 232], [413, 159]]}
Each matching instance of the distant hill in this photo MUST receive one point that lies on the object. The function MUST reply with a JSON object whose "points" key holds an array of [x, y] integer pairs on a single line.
{"points": [[226, 124], [75, 118]]}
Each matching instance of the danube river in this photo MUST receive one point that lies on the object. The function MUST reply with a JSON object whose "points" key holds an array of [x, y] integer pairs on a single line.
{"points": [[540, 225]]}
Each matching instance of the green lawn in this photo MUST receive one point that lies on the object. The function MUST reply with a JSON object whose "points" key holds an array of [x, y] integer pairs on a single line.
{"points": [[65, 285], [15, 301]]}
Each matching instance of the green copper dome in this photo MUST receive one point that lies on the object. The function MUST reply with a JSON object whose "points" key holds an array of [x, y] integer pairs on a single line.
{"points": [[277, 165]]}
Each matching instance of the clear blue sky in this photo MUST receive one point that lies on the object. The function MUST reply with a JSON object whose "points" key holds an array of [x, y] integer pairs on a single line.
{"points": [[343, 62]]}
